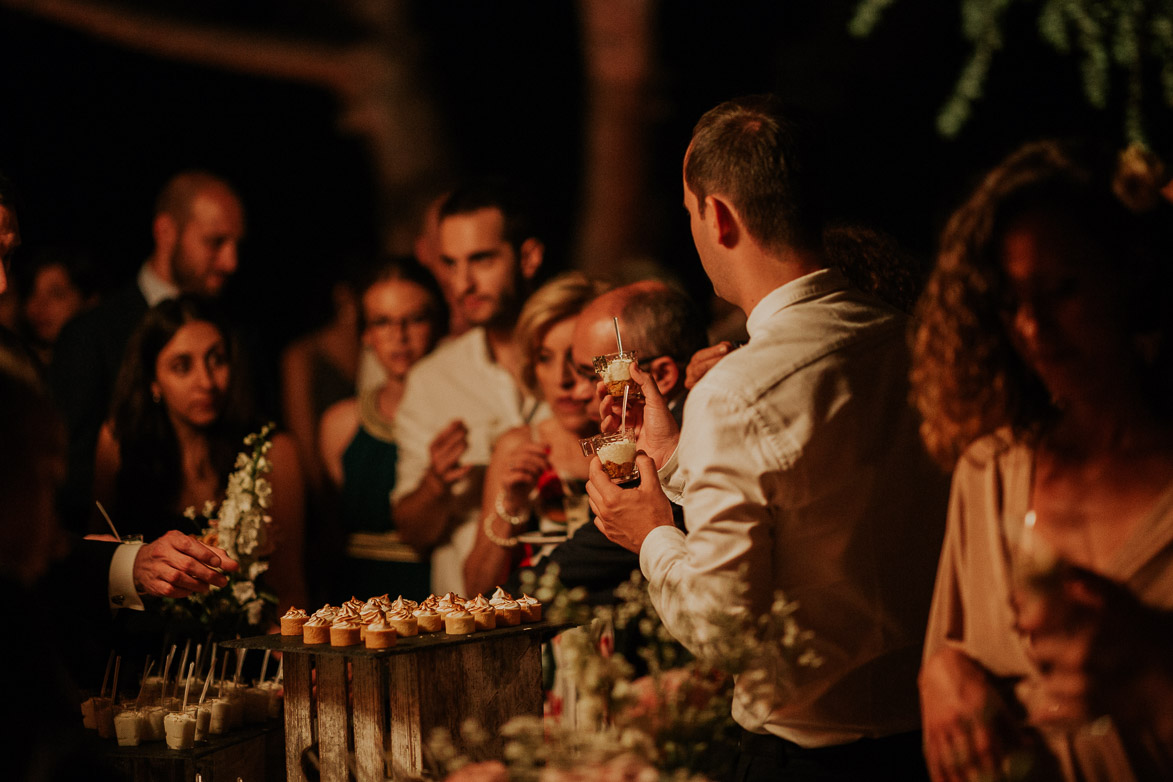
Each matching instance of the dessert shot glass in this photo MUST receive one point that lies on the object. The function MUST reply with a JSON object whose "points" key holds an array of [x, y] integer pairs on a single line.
{"points": [[617, 453], [614, 369]]}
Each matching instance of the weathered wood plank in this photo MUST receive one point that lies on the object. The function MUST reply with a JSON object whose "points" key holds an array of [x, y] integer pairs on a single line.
{"points": [[369, 695], [333, 718], [407, 740], [299, 712]]}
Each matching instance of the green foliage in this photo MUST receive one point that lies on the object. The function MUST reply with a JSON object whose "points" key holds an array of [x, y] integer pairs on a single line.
{"points": [[1114, 39]]}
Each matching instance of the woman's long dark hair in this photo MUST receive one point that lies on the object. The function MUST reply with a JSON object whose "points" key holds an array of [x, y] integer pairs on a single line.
{"points": [[150, 480]]}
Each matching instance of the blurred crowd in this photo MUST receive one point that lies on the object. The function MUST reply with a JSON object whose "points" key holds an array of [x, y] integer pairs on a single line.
{"points": [[440, 434]]}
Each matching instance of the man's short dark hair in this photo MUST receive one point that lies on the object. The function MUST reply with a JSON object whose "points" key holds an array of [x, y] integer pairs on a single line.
{"points": [[664, 321], [494, 193], [747, 150]]}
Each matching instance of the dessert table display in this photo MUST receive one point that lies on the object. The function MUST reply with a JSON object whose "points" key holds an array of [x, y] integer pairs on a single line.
{"points": [[253, 753], [391, 699]]}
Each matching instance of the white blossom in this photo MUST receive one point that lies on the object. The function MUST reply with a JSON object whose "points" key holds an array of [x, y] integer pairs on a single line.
{"points": [[243, 591]]}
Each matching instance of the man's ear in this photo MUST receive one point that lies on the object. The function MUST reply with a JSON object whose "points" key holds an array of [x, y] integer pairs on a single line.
{"points": [[531, 256], [725, 221], [666, 372], [165, 232]]}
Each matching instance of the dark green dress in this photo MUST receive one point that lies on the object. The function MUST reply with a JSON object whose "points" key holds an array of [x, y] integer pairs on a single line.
{"points": [[377, 561]]}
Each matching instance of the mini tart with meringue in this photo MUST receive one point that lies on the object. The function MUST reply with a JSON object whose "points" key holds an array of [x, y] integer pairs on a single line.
{"points": [[508, 611], [531, 609], [317, 630], [428, 620], [403, 621], [380, 635], [293, 620], [345, 633], [407, 605], [459, 622], [484, 617]]}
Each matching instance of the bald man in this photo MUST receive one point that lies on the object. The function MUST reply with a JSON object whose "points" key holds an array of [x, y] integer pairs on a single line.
{"points": [[662, 325], [197, 229]]}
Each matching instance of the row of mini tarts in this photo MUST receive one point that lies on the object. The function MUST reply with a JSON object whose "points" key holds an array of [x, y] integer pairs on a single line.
{"points": [[347, 625]]}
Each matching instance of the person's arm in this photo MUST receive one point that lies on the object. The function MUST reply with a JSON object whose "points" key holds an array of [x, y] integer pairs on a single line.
{"points": [[513, 472], [297, 407], [287, 563], [337, 430]]}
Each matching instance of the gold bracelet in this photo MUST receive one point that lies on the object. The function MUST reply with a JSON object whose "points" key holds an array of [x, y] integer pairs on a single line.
{"points": [[514, 519], [487, 525]]}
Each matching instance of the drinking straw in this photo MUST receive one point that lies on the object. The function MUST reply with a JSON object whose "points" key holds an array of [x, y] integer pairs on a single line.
{"points": [[106, 516], [106, 678], [618, 339], [182, 667], [166, 673], [198, 657], [265, 663], [204, 694], [220, 683], [623, 414], [280, 677], [240, 653], [114, 690], [187, 687], [211, 675], [138, 702]]}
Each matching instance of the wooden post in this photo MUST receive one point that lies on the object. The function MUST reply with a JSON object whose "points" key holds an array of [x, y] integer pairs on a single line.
{"points": [[299, 708], [370, 734], [333, 719], [407, 740]]}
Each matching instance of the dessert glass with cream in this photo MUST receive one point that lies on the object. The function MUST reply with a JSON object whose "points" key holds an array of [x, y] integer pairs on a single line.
{"points": [[617, 453], [614, 369]]}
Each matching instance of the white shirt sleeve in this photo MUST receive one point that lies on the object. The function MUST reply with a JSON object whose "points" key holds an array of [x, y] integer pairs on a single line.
{"points": [[729, 544], [415, 427], [120, 589]]}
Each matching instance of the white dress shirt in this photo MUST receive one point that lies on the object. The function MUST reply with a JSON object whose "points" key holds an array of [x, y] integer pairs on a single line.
{"points": [[799, 466], [461, 380], [153, 287]]}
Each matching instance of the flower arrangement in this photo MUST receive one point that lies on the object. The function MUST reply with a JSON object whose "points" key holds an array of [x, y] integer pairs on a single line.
{"points": [[673, 723], [239, 526]]}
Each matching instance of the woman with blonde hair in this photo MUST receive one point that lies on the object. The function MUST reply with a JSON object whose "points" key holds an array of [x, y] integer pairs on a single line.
{"points": [[537, 475], [1043, 371]]}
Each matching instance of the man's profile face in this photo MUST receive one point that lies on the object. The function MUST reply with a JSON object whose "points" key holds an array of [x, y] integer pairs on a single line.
{"points": [[481, 267], [9, 239], [205, 252], [594, 335]]}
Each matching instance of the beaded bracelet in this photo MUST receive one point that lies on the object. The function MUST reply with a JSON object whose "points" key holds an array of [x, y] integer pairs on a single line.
{"points": [[487, 525], [514, 519]]}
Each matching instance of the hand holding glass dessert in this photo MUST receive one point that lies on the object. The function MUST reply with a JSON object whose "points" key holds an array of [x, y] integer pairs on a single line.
{"points": [[616, 452]]}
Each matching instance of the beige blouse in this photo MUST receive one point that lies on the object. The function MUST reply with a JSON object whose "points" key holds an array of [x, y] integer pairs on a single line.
{"points": [[973, 610]]}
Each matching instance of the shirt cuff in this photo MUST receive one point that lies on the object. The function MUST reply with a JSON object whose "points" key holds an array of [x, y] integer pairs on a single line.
{"points": [[669, 476], [660, 547], [121, 590]]}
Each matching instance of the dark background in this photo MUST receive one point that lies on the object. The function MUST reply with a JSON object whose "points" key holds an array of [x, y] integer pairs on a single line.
{"points": [[89, 130]]}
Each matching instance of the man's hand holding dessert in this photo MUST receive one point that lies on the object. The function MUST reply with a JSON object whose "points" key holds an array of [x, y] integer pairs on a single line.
{"points": [[626, 516], [178, 565], [653, 422]]}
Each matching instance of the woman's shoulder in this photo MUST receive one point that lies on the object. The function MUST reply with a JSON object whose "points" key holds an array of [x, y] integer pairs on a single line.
{"points": [[994, 451], [512, 438]]}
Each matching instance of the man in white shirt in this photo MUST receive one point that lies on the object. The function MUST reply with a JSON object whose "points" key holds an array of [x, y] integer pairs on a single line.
{"points": [[197, 228], [798, 466], [466, 393]]}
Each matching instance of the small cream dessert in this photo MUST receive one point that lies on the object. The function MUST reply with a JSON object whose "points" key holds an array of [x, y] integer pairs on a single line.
{"points": [[104, 717], [614, 369], [345, 633], [317, 629], [403, 621], [256, 705], [618, 459], [531, 609], [380, 635], [507, 609], [128, 727], [220, 719], [203, 720], [89, 709], [484, 617], [153, 727], [459, 622], [293, 620], [180, 729], [428, 619], [275, 692]]}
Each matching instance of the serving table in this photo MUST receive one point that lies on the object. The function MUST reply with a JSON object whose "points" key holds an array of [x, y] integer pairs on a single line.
{"points": [[385, 703], [252, 753]]}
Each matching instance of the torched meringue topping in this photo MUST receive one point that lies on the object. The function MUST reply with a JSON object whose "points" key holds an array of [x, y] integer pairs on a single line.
{"points": [[501, 594], [294, 613], [320, 620]]}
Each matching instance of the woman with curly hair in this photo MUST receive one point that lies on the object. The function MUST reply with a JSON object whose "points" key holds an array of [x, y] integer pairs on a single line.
{"points": [[1043, 371]]}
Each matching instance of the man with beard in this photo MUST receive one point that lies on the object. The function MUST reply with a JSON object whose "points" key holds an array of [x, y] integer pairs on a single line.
{"points": [[466, 393], [198, 225]]}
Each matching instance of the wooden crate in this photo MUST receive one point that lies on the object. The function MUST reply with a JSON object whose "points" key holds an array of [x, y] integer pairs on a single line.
{"points": [[253, 753], [384, 704]]}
